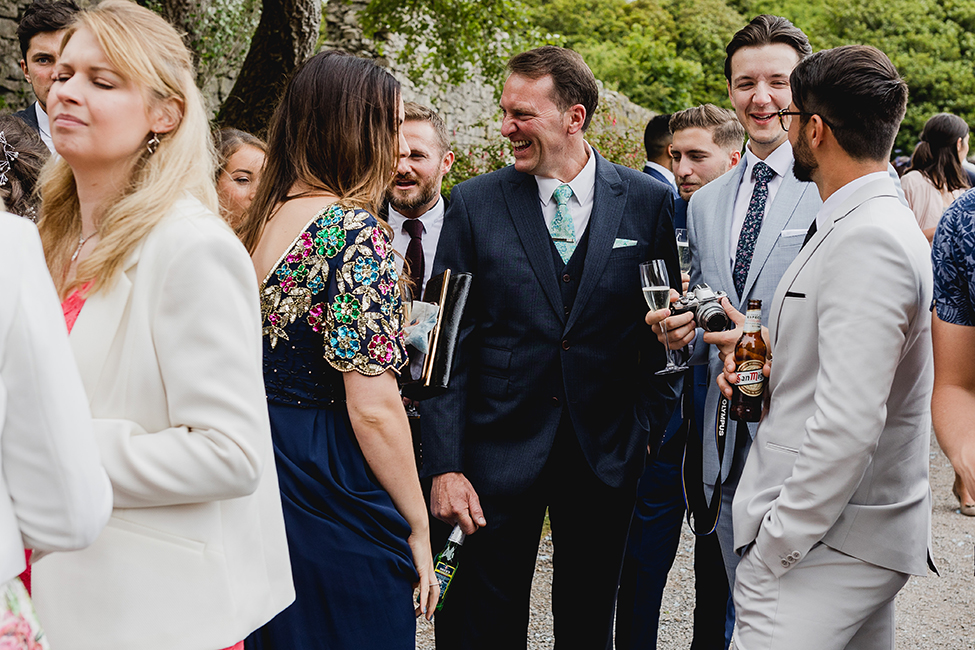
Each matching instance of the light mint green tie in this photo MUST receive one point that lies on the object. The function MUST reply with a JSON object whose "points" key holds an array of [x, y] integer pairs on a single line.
{"points": [[562, 229]]}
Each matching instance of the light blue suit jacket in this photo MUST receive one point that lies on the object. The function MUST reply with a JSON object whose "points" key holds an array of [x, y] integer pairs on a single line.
{"points": [[709, 216]]}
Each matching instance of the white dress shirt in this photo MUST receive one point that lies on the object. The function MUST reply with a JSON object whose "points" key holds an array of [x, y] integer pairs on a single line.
{"points": [[44, 125], [432, 221], [779, 160], [580, 203]]}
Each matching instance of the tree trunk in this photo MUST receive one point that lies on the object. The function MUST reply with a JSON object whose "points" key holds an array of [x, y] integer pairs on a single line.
{"points": [[285, 37]]}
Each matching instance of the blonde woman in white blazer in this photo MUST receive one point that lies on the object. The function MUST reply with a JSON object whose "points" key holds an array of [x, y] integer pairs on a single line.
{"points": [[167, 340], [54, 494]]}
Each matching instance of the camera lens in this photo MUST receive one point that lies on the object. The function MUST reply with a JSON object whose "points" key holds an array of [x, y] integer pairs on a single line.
{"points": [[712, 318]]}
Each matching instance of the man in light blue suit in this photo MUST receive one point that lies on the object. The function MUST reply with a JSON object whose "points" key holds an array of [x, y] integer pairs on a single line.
{"points": [[745, 228]]}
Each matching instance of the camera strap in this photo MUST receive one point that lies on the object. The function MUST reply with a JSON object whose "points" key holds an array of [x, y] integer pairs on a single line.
{"points": [[702, 515]]}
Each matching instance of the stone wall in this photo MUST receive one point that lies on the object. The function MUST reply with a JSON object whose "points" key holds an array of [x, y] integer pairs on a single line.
{"points": [[469, 110], [15, 92]]}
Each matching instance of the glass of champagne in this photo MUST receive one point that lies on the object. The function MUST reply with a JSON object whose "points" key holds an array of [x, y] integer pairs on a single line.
{"points": [[683, 250], [656, 291]]}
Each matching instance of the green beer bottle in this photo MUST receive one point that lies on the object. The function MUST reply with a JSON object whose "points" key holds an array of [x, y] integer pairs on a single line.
{"points": [[445, 565]]}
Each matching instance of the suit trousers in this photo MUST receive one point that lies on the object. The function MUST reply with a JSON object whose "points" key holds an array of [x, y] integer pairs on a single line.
{"points": [[651, 548], [487, 606], [828, 601], [725, 528]]}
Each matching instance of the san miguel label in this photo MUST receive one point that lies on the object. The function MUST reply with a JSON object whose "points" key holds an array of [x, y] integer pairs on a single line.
{"points": [[751, 381]]}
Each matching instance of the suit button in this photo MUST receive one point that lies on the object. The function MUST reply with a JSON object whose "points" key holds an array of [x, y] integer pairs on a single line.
{"points": [[555, 401], [565, 345], [567, 310], [795, 555], [566, 278], [785, 563]]}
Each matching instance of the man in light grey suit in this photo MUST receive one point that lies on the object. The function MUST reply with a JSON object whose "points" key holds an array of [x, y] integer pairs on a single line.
{"points": [[833, 508], [724, 248]]}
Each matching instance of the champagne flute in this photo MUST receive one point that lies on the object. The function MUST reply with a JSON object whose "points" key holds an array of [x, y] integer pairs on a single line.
{"points": [[683, 250], [656, 291]]}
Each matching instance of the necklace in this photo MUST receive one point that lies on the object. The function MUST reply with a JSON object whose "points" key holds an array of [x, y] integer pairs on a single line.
{"points": [[81, 244]]}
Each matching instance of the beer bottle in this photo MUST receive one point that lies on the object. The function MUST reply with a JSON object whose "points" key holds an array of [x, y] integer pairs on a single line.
{"points": [[750, 352], [445, 566]]}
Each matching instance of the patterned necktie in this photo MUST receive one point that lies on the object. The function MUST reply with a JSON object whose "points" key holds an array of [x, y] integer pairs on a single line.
{"points": [[752, 225], [562, 229], [414, 254]]}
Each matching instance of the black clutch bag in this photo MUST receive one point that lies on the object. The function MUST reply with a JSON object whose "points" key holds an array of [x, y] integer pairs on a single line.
{"points": [[448, 291]]}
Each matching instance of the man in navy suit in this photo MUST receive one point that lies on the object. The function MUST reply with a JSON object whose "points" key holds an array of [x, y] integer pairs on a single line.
{"points": [[40, 33], [553, 397], [656, 141], [706, 143]]}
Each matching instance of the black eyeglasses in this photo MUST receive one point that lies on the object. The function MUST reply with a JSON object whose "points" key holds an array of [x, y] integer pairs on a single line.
{"points": [[786, 112]]}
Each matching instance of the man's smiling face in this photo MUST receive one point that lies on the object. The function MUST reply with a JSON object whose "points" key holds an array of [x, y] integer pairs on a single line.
{"points": [[759, 87], [537, 129]]}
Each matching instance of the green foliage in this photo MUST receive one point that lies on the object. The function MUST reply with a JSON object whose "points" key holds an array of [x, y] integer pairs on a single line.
{"points": [[663, 54], [443, 40], [221, 34], [930, 41], [614, 142]]}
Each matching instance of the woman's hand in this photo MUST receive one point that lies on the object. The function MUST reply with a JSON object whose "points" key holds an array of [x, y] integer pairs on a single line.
{"points": [[428, 584]]}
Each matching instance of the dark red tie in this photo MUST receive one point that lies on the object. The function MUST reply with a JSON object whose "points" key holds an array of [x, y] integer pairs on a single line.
{"points": [[414, 254]]}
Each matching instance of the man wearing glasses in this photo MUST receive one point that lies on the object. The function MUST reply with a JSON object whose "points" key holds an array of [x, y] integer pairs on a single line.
{"points": [[833, 510], [745, 228]]}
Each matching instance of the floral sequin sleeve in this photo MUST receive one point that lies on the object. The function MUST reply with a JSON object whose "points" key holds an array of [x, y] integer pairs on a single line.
{"points": [[339, 277], [953, 259]]}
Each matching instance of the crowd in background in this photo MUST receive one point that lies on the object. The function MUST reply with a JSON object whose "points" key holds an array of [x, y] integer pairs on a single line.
{"points": [[206, 446]]}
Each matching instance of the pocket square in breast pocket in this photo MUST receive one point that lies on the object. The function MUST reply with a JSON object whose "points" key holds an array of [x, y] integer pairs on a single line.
{"points": [[624, 243], [792, 233]]}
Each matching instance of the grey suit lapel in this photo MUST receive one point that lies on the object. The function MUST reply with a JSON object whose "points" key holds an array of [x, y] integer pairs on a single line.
{"points": [[783, 205], [720, 221], [609, 197], [521, 195], [873, 189]]}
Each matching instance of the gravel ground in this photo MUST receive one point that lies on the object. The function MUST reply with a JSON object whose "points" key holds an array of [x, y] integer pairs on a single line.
{"points": [[932, 612]]}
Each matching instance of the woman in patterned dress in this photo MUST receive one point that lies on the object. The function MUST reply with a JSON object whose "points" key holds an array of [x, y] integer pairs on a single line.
{"points": [[357, 527]]}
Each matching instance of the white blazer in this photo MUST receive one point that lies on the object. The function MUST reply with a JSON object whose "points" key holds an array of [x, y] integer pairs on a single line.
{"points": [[842, 456], [194, 556], [54, 495]]}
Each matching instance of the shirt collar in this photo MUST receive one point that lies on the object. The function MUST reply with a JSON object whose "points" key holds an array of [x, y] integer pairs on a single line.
{"points": [[43, 121], [663, 171], [396, 220], [779, 160], [836, 199], [582, 185]]}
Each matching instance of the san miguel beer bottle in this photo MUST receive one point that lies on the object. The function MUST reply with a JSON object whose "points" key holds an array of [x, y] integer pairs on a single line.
{"points": [[750, 353]]}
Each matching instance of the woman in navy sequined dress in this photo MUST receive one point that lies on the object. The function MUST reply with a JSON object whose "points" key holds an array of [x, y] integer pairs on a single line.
{"points": [[330, 302]]}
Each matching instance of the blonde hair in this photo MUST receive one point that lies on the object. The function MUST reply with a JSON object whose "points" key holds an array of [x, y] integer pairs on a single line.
{"points": [[144, 49]]}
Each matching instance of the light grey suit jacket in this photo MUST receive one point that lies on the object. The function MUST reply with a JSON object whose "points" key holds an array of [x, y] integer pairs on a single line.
{"points": [[842, 456], [709, 216]]}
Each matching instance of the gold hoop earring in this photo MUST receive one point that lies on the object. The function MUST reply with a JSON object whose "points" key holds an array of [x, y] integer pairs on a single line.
{"points": [[153, 144]]}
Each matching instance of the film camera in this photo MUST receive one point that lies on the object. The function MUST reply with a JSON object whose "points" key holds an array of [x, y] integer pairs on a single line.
{"points": [[705, 303]]}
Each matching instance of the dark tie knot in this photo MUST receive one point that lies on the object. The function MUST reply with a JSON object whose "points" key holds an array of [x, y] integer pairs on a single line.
{"points": [[762, 173], [414, 228]]}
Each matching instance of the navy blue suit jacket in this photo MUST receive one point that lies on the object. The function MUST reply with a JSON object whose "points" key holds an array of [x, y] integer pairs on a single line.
{"points": [[29, 115], [523, 356]]}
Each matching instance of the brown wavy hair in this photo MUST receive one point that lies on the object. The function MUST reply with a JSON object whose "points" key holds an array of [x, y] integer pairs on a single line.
{"points": [[936, 156], [335, 130], [19, 193]]}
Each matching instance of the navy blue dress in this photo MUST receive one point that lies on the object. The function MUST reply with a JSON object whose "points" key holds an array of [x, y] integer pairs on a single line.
{"points": [[331, 305]]}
